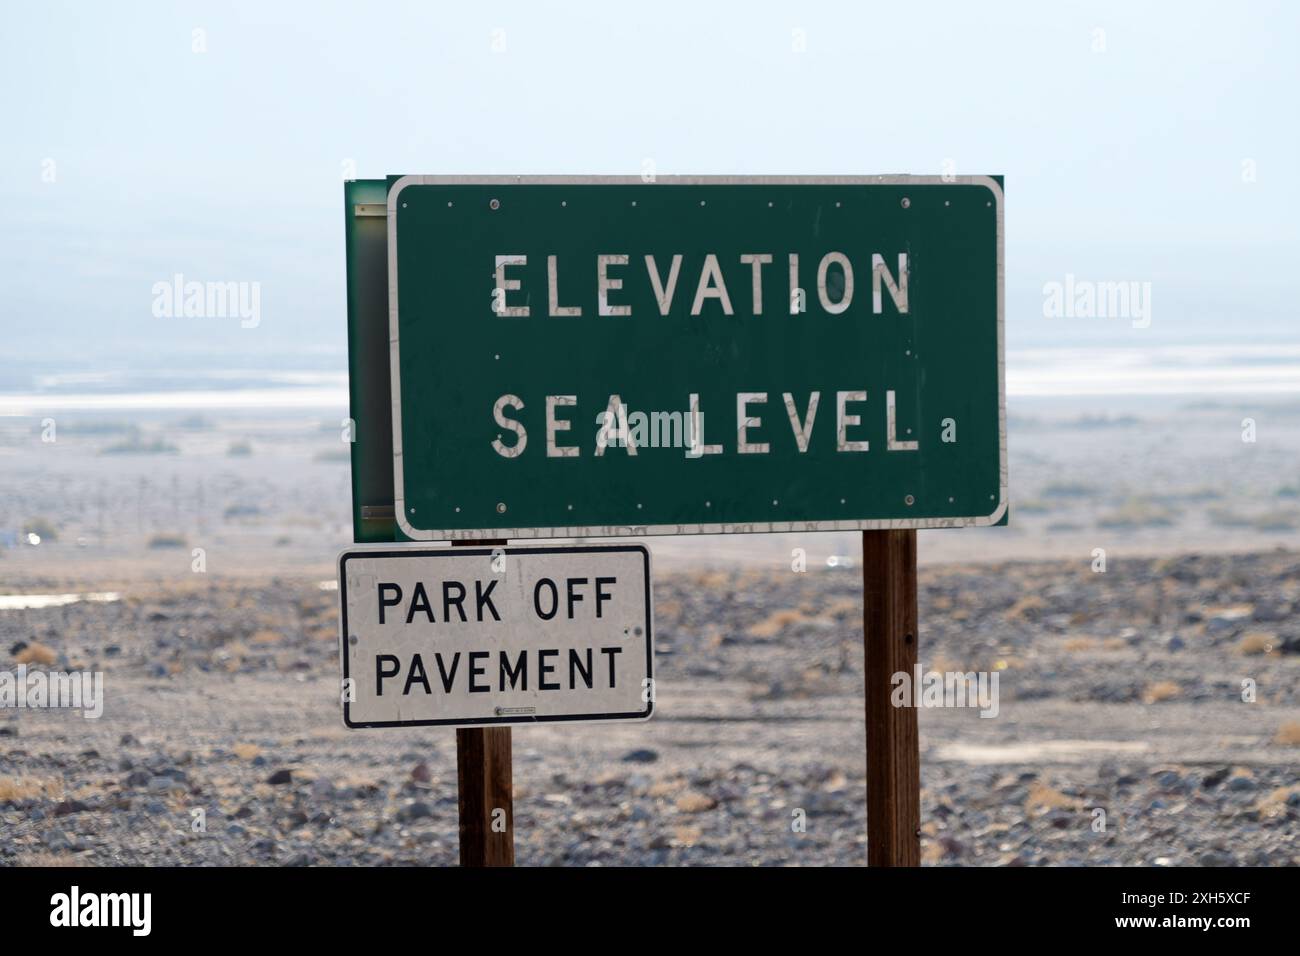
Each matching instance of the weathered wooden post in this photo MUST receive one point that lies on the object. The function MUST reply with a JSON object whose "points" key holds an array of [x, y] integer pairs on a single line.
{"points": [[893, 747], [483, 773], [485, 787]]}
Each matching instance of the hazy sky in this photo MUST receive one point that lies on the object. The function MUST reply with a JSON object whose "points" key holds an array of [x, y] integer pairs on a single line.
{"points": [[1123, 150]]}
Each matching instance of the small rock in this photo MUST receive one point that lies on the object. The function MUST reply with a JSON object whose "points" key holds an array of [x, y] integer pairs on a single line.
{"points": [[138, 778], [952, 847], [1169, 780], [1270, 611], [640, 755], [280, 778], [1215, 777], [416, 810], [58, 841]]}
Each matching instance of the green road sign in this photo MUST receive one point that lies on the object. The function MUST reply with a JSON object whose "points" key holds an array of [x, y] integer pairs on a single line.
{"points": [[604, 356]]}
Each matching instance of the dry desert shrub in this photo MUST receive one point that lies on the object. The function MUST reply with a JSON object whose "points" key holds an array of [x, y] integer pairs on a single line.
{"points": [[776, 623], [17, 789], [687, 836], [1255, 643], [665, 610], [843, 608], [1160, 690], [712, 579], [1288, 735], [1027, 608], [1043, 798], [1276, 803], [667, 787], [36, 653], [692, 802]]}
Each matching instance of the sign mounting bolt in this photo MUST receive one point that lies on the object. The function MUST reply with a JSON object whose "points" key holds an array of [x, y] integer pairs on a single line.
{"points": [[906, 202], [494, 204], [501, 507], [909, 501]]}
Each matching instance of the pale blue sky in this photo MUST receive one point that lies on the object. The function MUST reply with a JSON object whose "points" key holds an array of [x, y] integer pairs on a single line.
{"points": [[227, 165]]}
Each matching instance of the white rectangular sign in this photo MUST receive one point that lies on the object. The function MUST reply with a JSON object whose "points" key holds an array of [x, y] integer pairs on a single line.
{"points": [[463, 637]]}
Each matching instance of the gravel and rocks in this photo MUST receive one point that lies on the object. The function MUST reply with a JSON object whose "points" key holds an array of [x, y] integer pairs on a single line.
{"points": [[1147, 715]]}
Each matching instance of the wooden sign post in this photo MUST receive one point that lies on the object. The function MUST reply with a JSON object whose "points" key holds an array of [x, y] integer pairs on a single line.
{"points": [[893, 747], [483, 778], [485, 786]]}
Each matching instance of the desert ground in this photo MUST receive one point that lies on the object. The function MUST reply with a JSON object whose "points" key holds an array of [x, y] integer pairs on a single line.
{"points": [[1148, 712], [1120, 692]]}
